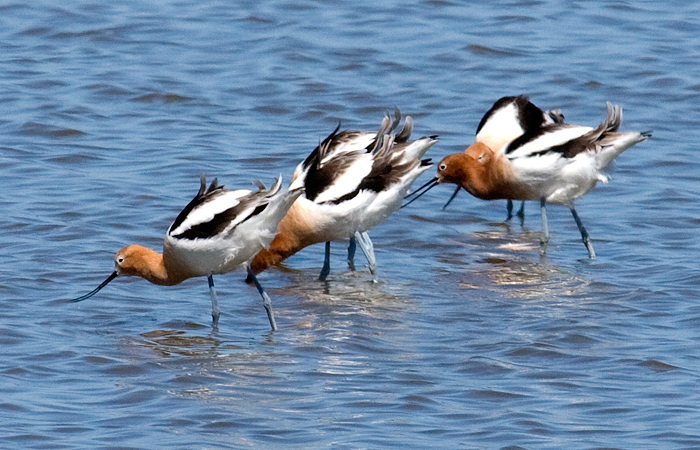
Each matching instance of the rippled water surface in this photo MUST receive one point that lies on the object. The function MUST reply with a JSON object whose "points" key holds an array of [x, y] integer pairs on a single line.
{"points": [[471, 339]]}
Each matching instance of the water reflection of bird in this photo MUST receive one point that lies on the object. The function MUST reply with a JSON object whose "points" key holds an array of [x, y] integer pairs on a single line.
{"points": [[354, 180], [217, 232]]}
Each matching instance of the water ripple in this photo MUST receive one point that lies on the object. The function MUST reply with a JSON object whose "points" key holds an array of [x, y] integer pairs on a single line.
{"points": [[471, 337]]}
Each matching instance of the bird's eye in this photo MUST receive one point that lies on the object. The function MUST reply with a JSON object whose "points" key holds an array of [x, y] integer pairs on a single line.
{"points": [[443, 166], [120, 259]]}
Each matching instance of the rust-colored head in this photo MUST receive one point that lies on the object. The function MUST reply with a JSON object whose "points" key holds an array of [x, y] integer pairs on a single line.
{"points": [[473, 170], [136, 260], [130, 260]]}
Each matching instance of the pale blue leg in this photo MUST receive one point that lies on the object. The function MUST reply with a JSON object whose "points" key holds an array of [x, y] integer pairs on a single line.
{"points": [[267, 303], [368, 249], [545, 229], [326, 263], [215, 312], [584, 234], [352, 246]]}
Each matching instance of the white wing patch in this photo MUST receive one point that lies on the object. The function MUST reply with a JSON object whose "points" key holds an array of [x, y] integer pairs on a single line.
{"points": [[360, 143], [503, 126], [548, 140], [541, 166], [348, 181]]}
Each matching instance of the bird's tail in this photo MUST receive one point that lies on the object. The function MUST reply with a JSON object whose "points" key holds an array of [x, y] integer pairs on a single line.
{"points": [[610, 142]]}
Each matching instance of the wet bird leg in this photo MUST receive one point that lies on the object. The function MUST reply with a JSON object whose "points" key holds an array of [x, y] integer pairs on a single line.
{"points": [[520, 213], [215, 312], [584, 234], [352, 246], [326, 263], [267, 303], [545, 229], [509, 210], [368, 249]]}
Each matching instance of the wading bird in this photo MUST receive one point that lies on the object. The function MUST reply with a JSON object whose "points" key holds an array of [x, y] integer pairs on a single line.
{"points": [[508, 119], [218, 231], [553, 163], [353, 181]]}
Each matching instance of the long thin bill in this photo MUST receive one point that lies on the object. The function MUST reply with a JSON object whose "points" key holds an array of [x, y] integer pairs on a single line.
{"points": [[96, 290], [420, 188], [418, 194], [454, 194]]}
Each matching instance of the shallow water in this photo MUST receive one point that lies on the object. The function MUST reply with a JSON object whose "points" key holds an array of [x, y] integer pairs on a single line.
{"points": [[471, 339]]}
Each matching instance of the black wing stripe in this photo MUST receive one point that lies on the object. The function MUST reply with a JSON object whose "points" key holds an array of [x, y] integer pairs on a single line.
{"points": [[526, 137], [219, 223], [567, 149], [202, 196], [383, 174], [318, 179], [314, 155], [385, 168]]}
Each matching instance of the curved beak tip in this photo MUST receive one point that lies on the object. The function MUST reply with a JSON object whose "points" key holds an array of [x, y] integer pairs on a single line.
{"points": [[454, 194], [112, 276]]}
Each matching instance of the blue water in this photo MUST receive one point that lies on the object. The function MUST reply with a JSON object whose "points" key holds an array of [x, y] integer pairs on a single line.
{"points": [[471, 339]]}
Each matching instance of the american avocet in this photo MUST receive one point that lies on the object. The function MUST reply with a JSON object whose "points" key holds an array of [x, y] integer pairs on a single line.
{"points": [[508, 119], [354, 180], [554, 163], [217, 232]]}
